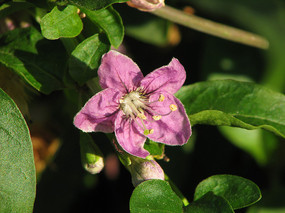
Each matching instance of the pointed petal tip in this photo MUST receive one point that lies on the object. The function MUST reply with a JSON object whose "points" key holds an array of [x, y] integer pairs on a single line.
{"points": [[118, 71]]}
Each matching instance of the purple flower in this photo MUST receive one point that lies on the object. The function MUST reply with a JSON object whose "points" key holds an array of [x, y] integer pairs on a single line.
{"points": [[136, 107]]}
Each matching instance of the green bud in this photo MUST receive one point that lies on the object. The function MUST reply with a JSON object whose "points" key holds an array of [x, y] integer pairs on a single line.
{"points": [[91, 156]]}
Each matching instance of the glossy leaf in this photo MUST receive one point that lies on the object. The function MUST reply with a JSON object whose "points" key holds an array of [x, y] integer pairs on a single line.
{"points": [[238, 191], [233, 103], [30, 56], [86, 57], [110, 21], [209, 203], [17, 176], [155, 196], [64, 23], [95, 4]]}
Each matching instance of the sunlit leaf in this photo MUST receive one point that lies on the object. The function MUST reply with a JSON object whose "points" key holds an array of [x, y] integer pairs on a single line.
{"points": [[61, 23], [86, 57], [233, 103], [110, 21]]}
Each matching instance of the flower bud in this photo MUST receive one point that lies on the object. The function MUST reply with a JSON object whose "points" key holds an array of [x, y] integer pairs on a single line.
{"points": [[146, 5], [91, 156], [142, 170]]}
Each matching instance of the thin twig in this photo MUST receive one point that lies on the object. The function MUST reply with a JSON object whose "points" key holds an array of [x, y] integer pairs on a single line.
{"points": [[210, 27]]}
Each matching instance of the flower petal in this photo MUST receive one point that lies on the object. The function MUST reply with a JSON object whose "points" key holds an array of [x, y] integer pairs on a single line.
{"points": [[146, 5], [119, 72], [168, 78], [129, 137], [174, 126], [99, 112]]}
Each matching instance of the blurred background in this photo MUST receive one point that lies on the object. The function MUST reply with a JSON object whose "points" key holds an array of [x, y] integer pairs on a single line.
{"points": [[64, 186]]}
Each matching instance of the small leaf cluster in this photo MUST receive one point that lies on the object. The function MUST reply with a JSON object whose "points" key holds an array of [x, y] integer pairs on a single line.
{"points": [[218, 193], [71, 37]]}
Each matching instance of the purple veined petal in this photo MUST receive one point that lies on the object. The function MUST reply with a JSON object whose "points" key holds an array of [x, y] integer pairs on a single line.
{"points": [[99, 113], [129, 138], [119, 72], [173, 128], [168, 78]]}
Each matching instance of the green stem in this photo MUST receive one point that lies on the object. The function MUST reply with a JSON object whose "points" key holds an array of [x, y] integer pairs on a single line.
{"points": [[210, 27], [177, 191]]}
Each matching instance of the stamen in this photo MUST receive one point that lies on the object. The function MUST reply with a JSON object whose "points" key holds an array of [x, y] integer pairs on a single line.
{"points": [[134, 108], [138, 123], [161, 98], [156, 117], [148, 131], [173, 107], [142, 116]]}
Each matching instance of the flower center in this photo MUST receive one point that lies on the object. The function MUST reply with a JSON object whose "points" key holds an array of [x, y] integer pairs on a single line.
{"points": [[135, 103]]}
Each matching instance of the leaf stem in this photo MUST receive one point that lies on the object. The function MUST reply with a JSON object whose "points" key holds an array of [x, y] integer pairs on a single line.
{"points": [[176, 190], [212, 28]]}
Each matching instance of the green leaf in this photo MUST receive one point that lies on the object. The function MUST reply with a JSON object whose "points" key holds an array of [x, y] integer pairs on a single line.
{"points": [[233, 103], [17, 176], [155, 196], [110, 21], [38, 61], [238, 191], [154, 148], [64, 23], [209, 203], [95, 4], [86, 57]]}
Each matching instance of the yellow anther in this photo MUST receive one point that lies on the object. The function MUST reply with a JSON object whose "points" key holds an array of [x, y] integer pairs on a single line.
{"points": [[173, 107], [148, 131], [161, 98], [156, 117], [142, 116]]}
